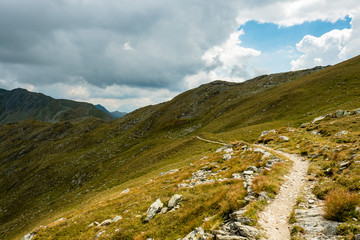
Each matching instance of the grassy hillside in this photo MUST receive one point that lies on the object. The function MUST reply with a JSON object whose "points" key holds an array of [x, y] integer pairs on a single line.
{"points": [[48, 170], [20, 104]]}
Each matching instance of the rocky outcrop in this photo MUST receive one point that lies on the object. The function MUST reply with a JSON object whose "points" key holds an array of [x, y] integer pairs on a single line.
{"points": [[153, 210]]}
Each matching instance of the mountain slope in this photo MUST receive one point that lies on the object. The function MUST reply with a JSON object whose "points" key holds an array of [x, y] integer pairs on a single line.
{"points": [[20, 104], [115, 114], [48, 169]]}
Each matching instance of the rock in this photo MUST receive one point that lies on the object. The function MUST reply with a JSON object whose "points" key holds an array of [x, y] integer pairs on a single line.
{"points": [[267, 132], [357, 111], [154, 209], [106, 222], [341, 133], [164, 210], [125, 191], [230, 237], [248, 172], [284, 138], [339, 113], [169, 172], [264, 196], [28, 236], [196, 234], [236, 228], [98, 235], [304, 125], [174, 201], [117, 218], [253, 168], [236, 176], [226, 157], [237, 214], [311, 201], [228, 150], [315, 132], [318, 119], [94, 224], [357, 236], [60, 220], [347, 113], [344, 165]]}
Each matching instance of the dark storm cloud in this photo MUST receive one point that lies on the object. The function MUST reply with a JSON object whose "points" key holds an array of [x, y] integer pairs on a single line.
{"points": [[134, 43]]}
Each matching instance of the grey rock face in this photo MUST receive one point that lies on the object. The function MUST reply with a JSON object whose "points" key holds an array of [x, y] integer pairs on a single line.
{"points": [[154, 209], [174, 201]]}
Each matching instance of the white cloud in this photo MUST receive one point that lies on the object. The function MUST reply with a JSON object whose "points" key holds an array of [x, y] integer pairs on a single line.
{"points": [[327, 49], [128, 47], [228, 61]]}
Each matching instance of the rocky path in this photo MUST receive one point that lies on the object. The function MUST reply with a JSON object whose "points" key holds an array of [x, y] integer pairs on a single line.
{"points": [[274, 219]]}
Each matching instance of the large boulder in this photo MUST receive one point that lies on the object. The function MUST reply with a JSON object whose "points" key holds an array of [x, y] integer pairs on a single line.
{"points": [[154, 209], [174, 201]]}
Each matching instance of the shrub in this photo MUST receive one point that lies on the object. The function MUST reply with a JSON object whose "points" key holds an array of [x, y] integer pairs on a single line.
{"points": [[340, 205]]}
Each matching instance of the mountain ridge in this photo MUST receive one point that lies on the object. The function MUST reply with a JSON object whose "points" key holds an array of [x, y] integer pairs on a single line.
{"points": [[20, 104]]}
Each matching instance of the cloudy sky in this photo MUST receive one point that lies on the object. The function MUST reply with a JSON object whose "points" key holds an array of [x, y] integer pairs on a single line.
{"points": [[127, 54]]}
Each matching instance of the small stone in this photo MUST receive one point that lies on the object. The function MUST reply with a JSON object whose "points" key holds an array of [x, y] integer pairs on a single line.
{"points": [[284, 138], [339, 113], [164, 210], [319, 119], [311, 201], [267, 132], [357, 111], [98, 235], [125, 191], [236, 176], [248, 172], [357, 237], [226, 157], [106, 222], [117, 218]]}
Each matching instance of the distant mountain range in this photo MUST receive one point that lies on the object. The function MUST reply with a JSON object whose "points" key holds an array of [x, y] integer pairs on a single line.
{"points": [[20, 104], [115, 114]]}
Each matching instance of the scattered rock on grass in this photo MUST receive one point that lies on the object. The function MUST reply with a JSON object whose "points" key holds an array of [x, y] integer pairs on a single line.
{"points": [[284, 138], [154, 209], [174, 201]]}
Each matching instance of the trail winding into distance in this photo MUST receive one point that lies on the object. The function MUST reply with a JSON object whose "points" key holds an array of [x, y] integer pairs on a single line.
{"points": [[274, 218]]}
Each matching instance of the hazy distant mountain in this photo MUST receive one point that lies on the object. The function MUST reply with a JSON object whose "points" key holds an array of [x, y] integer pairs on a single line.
{"points": [[20, 104], [115, 114]]}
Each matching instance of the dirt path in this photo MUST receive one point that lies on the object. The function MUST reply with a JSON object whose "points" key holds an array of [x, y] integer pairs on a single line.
{"points": [[274, 219]]}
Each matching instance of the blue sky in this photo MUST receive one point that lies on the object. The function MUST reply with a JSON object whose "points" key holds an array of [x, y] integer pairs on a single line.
{"points": [[128, 54], [278, 44]]}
